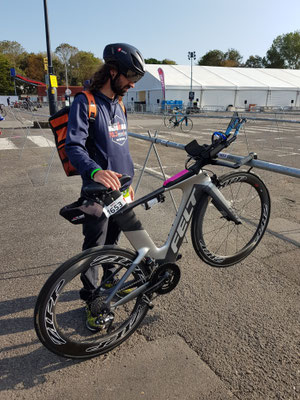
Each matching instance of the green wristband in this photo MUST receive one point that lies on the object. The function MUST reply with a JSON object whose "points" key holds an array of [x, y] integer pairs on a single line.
{"points": [[95, 170]]}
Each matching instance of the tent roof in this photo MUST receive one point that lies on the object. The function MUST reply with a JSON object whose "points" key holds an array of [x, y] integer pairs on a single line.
{"points": [[179, 77]]}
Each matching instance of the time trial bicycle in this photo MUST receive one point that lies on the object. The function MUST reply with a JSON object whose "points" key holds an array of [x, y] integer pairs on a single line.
{"points": [[185, 123], [228, 214]]}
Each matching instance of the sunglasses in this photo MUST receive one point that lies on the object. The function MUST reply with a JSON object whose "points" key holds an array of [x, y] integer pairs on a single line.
{"points": [[133, 76]]}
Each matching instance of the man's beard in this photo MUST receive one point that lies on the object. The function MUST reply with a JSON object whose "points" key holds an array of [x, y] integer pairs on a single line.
{"points": [[117, 88]]}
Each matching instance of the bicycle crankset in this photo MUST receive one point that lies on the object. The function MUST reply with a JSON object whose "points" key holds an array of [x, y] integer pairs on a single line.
{"points": [[165, 278]]}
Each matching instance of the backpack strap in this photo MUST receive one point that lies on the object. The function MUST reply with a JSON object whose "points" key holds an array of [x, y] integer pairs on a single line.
{"points": [[122, 105], [92, 108]]}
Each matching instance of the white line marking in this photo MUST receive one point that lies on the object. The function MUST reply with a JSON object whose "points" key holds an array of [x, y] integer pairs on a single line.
{"points": [[136, 127], [152, 170], [288, 154], [41, 141], [172, 133], [200, 133], [6, 144]]}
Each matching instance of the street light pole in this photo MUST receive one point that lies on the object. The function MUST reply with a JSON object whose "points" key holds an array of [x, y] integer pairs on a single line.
{"points": [[191, 56], [51, 90]]}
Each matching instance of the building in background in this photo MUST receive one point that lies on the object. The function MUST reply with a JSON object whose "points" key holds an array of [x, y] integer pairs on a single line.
{"points": [[215, 88], [62, 93]]}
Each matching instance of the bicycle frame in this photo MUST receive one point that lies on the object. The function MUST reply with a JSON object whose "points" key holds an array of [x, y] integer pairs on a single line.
{"points": [[179, 119], [193, 187]]}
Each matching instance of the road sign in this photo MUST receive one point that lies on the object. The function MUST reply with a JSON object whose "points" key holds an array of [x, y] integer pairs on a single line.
{"points": [[53, 80], [68, 92]]}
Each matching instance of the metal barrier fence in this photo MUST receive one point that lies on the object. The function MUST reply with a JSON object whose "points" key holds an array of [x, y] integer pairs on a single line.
{"points": [[231, 159], [21, 115], [246, 115]]}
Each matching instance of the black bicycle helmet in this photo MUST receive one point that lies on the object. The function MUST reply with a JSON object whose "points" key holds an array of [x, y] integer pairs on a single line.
{"points": [[127, 58]]}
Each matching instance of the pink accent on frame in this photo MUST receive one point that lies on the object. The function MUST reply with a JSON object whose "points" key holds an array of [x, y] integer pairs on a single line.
{"points": [[174, 177]]}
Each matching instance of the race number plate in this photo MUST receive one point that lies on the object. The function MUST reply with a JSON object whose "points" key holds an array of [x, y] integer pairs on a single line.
{"points": [[114, 207]]}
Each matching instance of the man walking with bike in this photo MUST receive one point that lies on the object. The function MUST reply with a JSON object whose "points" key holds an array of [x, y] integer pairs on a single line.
{"points": [[105, 157]]}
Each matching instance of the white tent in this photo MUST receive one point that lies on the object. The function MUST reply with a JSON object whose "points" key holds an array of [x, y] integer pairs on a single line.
{"points": [[217, 87]]}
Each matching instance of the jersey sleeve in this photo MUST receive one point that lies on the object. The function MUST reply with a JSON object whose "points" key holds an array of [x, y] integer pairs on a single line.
{"points": [[77, 134]]}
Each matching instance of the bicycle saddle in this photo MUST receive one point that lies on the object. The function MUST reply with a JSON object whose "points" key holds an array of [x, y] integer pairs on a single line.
{"points": [[96, 188]]}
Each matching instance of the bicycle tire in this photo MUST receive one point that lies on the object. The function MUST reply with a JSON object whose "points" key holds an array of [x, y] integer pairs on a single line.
{"points": [[170, 121], [186, 125], [59, 312], [221, 243]]}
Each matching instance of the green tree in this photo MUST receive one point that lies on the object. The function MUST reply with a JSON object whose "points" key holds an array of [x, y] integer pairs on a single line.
{"points": [[64, 52], [212, 58], [155, 61], [284, 52], [152, 61], [254, 62], [59, 70], [12, 50], [35, 67], [82, 66], [22, 63], [232, 58], [31, 66], [6, 84], [168, 62], [273, 58]]}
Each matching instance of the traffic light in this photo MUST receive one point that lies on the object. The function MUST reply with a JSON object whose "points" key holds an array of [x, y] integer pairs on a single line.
{"points": [[46, 64]]}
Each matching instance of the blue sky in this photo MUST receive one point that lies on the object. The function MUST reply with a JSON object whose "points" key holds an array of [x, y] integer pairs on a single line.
{"points": [[159, 28]]}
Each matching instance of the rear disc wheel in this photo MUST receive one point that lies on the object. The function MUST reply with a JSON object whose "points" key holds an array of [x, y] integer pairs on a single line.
{"points": [[60, 316]]}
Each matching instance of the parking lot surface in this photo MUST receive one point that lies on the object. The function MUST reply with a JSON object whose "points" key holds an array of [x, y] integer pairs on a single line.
{"points": [[228, 333]]}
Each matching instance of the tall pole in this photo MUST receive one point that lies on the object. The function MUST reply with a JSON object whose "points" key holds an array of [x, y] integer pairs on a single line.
{"points": [[67, 83], [191, 74], [51, 90], [15, 85], [191, 56]]}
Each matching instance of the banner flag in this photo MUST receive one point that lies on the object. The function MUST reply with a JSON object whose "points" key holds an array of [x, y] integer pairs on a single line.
{"points": [[162, 81]]}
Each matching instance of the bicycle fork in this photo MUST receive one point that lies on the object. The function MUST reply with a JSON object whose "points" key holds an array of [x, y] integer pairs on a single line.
{"points": [[221, 203]]}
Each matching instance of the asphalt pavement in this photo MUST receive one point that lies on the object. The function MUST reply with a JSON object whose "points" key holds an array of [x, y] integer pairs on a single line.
{"points": [[221, 334]]}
